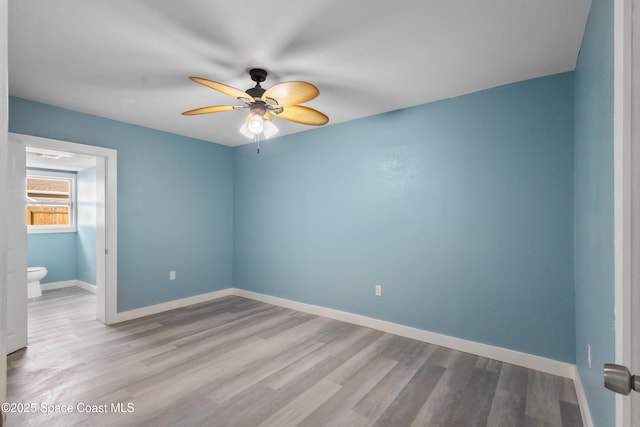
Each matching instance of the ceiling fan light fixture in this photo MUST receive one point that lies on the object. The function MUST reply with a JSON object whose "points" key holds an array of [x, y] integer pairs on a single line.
{"points": [[253, 126], [256, 124], [281, 100], [244, 129], [269, 129]]}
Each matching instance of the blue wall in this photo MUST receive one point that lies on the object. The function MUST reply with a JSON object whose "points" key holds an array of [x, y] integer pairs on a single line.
{"points": [[594, 221], [86, 225], [56, 252], [175, 201], [461, 209]]}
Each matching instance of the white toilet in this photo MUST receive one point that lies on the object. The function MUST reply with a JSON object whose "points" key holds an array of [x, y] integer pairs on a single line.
{"points": [[34, 275]]}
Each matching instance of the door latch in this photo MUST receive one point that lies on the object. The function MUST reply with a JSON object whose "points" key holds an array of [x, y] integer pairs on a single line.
{"points": [[618, 379]]}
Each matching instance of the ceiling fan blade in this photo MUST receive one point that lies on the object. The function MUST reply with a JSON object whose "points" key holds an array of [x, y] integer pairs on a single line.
{"points": [[291, 93], [227, 90], [212, 109], [304, 115]]}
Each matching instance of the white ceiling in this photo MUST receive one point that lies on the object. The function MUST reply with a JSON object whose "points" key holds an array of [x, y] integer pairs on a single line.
{"points": [[58, 160], [130, 60]]}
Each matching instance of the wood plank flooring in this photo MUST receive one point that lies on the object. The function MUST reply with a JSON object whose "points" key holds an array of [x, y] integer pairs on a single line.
{"points": [[238, 362]]}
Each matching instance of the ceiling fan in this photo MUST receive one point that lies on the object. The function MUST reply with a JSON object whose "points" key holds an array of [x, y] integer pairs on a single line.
{"points": [[281, 100]]}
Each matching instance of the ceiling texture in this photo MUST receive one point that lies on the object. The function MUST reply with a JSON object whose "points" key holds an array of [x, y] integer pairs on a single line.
{"points": [[129, 60]]}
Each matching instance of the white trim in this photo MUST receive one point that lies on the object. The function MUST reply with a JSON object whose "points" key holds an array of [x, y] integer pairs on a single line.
{"points": [[57, 285], [4, 195], [587, 421], [107, 241], [530, 361], [622, 195], [86, 286], [513, 357], [50, 229], [109, 238], [68, 284], [172, 305], [72, 204], [555, 367]]}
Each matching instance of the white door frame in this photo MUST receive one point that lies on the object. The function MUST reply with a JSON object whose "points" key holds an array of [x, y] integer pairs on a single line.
{"points": [[107, 219], [4, 121], [16, 310], [627, 199]]}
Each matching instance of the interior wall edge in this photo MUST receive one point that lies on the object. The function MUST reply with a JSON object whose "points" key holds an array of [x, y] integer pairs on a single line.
{"points": [[587, 420], [86, 286]]}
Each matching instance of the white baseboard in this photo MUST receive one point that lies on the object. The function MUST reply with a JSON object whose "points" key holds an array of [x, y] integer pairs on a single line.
{"points": [[172, 305], [587, 421], [505, 355], [86, 286], [67, 284], [513, 357], [57, 285], [555, 367]]}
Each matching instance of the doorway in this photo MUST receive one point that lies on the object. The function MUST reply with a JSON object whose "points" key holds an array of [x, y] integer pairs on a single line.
{"points": [[61, 220], [105, 229]]}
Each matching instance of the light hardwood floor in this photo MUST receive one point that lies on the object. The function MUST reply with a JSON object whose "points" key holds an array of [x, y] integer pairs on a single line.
{"points": [[238, 362]]}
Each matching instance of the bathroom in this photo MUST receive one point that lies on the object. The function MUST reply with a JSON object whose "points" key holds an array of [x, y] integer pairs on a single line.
{"points": [[61, 221]]}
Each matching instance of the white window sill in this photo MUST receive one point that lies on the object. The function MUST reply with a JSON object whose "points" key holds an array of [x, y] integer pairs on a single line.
{"points": [[53, 229]]}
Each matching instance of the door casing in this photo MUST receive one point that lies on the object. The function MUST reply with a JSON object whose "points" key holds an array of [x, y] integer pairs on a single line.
{"points": [[106, 218], [16, 313], [627, 198]]}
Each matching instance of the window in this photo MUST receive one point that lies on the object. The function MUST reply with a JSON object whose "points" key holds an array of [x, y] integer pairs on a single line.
{"points": [[50, 202]]}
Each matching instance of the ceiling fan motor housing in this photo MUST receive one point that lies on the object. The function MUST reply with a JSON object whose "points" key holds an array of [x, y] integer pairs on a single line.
{"points": [[256, 92], [258, 108], [258, 75]]}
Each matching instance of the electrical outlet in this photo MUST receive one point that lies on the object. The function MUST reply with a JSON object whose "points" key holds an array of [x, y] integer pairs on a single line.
{"points": [[172, 275], [378, 290], [589, 354]]}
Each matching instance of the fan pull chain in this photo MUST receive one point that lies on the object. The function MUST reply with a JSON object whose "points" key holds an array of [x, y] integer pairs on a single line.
{"points": [[257, 140]]}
